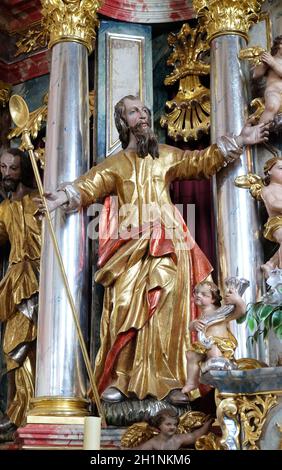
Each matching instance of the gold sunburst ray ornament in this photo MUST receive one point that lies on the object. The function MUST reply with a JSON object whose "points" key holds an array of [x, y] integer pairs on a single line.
{"points": [[71, 20], [190, 109], [20, 115]]}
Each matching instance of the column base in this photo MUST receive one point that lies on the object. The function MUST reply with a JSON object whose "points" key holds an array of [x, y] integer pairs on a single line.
{"points": [[58, 406], [50, 433]]}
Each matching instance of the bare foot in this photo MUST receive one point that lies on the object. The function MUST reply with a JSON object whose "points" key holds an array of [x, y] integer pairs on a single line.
{"points": [[188, 387]]}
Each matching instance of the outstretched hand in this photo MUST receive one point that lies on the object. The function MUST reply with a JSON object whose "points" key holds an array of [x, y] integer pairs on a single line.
{"points": [[53, 200], [254, 134]]}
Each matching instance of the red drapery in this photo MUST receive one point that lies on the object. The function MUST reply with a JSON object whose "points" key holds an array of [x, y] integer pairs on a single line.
{"points": [[200, 194]]}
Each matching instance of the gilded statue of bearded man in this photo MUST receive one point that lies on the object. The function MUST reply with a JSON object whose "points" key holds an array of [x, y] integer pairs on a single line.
{"points": [[148, 276]]}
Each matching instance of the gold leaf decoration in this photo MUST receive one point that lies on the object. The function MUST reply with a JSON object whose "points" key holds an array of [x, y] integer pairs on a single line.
{"points": [[247, 363], [209, 442], [190, 109], [252, 54], [33, 40], [259, 107], [253, 183], [39, 154], [137, 434], [190, 421], [71, 20], [36, 118], [226, 411], [253, 411], [5, 91], [223, 16]]}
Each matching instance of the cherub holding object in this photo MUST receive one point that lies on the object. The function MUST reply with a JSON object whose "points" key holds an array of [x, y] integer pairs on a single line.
{"points": [[271, 194], [221, 341], [167, 422], [271, 67], [268, 190]]}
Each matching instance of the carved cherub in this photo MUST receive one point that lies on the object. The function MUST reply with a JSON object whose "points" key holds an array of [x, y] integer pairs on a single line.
{"points": [[167, 432], [215, 340], [271, 68], [269, 191]]}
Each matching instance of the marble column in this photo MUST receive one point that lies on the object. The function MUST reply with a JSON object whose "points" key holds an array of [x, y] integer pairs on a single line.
{"points": [[237, 227], [60, 375]]}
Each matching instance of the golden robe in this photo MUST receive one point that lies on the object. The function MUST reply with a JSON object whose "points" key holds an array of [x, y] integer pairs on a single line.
{"points": [[273, 224], [21, 227], [227, 346], [147, 277]]}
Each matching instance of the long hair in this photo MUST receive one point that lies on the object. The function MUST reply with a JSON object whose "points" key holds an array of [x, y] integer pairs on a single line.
{"points": [[275, 46], [146, 140], [27, 177], [121, 124]]}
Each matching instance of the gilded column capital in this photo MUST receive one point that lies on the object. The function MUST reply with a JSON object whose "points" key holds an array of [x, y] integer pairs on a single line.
{"points": [[227, 16], [71, 20]]}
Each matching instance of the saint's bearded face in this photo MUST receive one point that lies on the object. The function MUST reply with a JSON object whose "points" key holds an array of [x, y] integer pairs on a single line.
{"points": [[11, 171], [138, 118], [146, 139]]}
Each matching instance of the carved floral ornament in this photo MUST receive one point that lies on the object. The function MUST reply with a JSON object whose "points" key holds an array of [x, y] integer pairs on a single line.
{"points": [[34, 39], [248, 414], [73, 20], [226, 16], [253, 411]]}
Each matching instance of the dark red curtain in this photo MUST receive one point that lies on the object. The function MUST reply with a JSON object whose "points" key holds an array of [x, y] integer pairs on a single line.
{"points": [[200, 194]]}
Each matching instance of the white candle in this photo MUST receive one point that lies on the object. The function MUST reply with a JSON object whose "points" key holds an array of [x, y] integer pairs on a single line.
{"points": [[92, 433]]}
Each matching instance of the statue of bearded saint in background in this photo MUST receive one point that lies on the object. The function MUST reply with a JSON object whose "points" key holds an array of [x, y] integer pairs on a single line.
{"points": [[149, 271], [20, 224]]}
